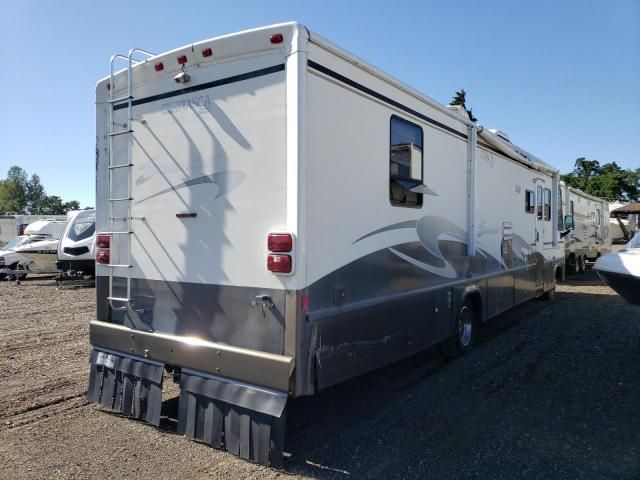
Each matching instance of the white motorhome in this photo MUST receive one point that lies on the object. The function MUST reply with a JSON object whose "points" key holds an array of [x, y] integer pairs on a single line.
{"points": [[588, 233], [12, 226], [275, 216]]}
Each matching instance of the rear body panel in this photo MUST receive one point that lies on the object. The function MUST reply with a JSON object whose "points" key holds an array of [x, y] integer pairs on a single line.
{"points": [[198, 249]]}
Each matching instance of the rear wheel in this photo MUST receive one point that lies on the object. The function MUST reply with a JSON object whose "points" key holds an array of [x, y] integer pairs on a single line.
{"points": [[461, 342], [580, 264], [549, 294], [574, 265]]}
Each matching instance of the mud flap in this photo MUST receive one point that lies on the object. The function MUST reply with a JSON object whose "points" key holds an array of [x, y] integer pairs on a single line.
{"points": [[245, 420], [128, 385]]}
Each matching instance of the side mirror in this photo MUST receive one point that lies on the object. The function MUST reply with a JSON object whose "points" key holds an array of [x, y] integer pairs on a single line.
{"points": [[568, 222]]}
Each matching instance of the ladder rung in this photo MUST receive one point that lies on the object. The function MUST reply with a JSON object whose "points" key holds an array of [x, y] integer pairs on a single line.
{"points": [[114, 233], [124, 132], [119, 219], [115, 265], [120, 99], [124, 165], [120, 199], [119, 299]]}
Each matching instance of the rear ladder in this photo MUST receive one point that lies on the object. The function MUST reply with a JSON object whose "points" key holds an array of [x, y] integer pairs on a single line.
{"points": [[122, 303]]}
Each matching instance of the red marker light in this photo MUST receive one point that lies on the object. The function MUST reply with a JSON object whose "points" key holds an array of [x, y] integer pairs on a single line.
{"points": [[159, 66], [103, 240], [108, 86], [279, 263], [207, 52], [277, 38], [102, 256], [182, 59], [279, 242]]}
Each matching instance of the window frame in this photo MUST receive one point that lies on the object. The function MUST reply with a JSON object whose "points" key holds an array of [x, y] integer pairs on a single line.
{"points": [[560, 210], [539, 201], [529, 207], [546, 204], [419, 196]]}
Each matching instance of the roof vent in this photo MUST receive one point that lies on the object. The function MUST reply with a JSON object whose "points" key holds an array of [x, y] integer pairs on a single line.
{"points": [[459, 110], [501, 134]]}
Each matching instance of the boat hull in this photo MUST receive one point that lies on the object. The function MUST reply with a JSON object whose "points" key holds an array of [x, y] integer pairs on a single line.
{"points": [[41, 260], [627, 286]]}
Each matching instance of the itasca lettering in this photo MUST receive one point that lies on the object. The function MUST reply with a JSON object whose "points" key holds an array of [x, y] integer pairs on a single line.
{"points": [[200, 103]]}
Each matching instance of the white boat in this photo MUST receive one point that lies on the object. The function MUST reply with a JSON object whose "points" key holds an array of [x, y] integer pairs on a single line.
{"points": [[41, 256], [621, 271]]}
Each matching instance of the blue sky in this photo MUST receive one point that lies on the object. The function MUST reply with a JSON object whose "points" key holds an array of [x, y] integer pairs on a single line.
{"points": [[562, 78]]}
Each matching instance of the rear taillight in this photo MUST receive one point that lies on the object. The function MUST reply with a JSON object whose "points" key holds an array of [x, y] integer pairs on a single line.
{"points": [[280, 242], [278, 263], [103, 240], [103, 252], [103, 256]]}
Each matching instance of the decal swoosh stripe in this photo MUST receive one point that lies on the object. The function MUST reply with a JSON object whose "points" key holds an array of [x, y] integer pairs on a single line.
{"points": [[395, 226], [204, 86]]}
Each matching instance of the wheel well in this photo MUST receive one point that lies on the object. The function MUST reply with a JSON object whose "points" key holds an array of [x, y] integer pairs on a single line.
{"points": [[476, 302], [558, 273]]}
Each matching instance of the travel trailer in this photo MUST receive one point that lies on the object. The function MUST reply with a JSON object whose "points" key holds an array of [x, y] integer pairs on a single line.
{"points": [[588, 233], [76, 247], [11, 226], [275, 216], [622, 225]]}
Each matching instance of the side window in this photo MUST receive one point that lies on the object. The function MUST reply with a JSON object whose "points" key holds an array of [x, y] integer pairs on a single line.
{"points": [[529, 201], [547, 204], [539, 197], [405, 163], [559, 207]]}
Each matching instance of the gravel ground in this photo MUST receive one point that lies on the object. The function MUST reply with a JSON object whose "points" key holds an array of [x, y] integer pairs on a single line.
{"points": [[551, 390]]}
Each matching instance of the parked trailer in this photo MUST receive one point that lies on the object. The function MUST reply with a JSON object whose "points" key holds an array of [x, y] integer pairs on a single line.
{"points": [[12, 226], [76, 248], [276, 216], [587, 222]]}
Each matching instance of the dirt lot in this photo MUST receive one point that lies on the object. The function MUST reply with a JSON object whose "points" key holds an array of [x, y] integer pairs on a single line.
{"points": [[552, 390]]}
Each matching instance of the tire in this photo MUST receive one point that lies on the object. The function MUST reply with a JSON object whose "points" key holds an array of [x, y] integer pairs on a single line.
{"points": [[460, 343], [573, 268], [549, 295], [580, 264]]}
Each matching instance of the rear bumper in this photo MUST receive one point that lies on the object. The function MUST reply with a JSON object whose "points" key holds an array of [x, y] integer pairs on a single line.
{"points": [[222, 360]]}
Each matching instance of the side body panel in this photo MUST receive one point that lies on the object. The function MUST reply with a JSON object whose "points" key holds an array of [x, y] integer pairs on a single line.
{"points": [[386, 281]]}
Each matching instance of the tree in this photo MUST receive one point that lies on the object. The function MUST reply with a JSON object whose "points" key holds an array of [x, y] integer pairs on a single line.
{"points": [[21, 194], [35, 194], [607, 181], [52, 205], [12, 197], [460, 98], [72, 205]]}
